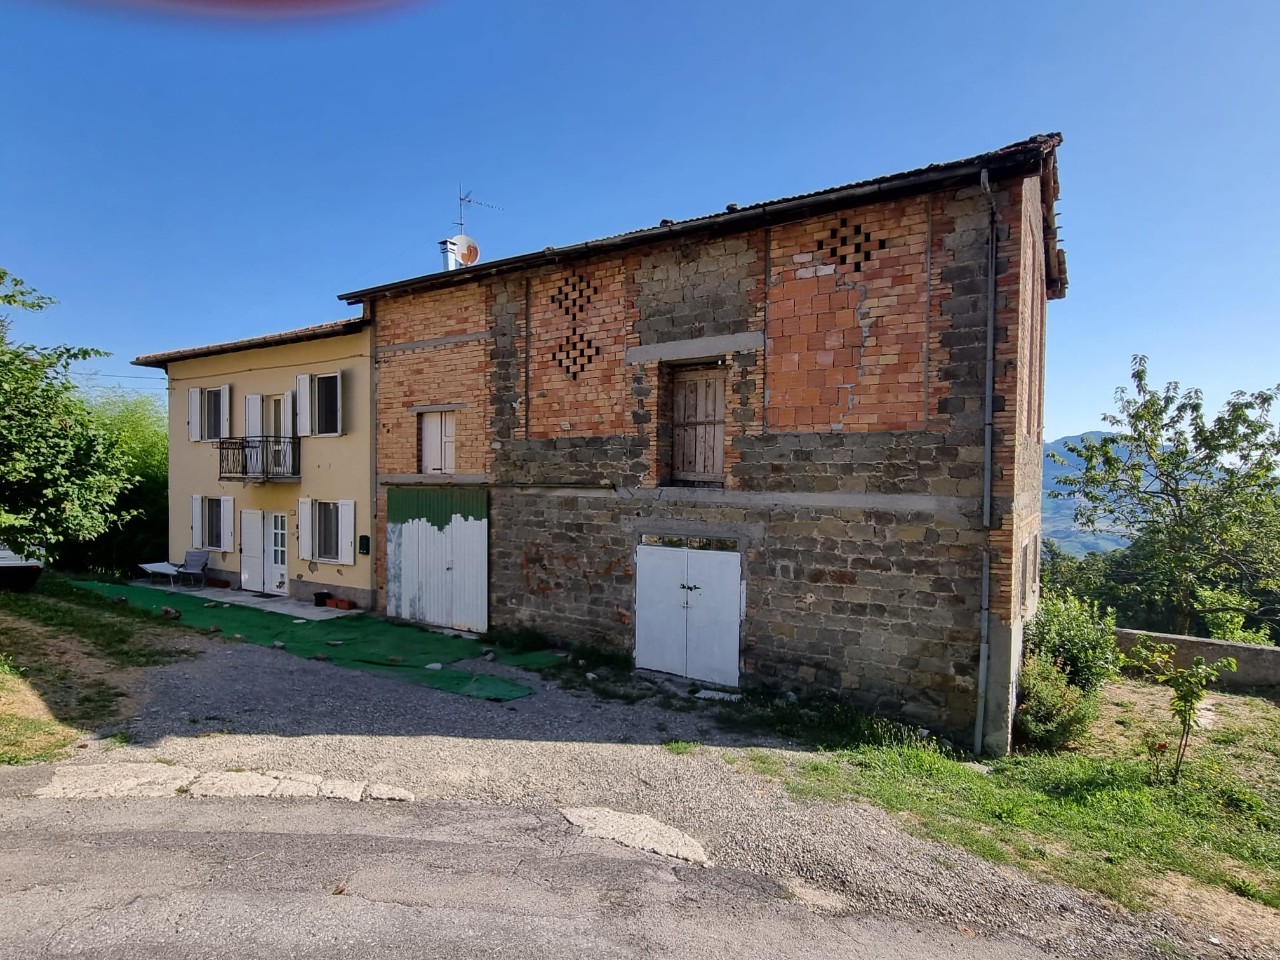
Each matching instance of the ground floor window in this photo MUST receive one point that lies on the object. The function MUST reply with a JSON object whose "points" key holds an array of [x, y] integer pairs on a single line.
{"points": [[213, 523], [327, 538], [327, 530]]}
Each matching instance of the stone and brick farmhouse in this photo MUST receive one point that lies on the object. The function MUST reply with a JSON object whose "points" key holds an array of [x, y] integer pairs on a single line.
{"points": [[797, 441]]}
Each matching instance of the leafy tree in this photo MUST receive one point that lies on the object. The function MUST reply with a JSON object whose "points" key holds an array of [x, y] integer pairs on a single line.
{"points": [[60, 472], [1199, 497], [14, 292], [138, 423]]}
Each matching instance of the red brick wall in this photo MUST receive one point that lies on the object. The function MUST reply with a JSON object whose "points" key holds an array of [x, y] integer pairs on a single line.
{"points": [[577, 370], [847, 321]]}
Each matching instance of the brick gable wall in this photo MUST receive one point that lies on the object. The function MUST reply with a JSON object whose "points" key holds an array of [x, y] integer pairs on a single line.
{"points": [[853, 439]]}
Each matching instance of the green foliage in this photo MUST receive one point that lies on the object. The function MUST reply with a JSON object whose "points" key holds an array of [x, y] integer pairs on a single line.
{"points": [[681, 747], [1077, 636], [1099, 822], [1221, 612], [1189, 686], [60, 472], [820, 719], [14, 292], [138, 424], [520, 639], [1198, 497], [1052, 712]]}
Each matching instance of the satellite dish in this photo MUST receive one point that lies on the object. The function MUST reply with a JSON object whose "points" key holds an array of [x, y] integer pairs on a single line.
{"points": [[465, 250]]}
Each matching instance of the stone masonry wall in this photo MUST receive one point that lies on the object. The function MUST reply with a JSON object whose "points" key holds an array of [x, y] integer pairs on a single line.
{"points": [[853, 435]]}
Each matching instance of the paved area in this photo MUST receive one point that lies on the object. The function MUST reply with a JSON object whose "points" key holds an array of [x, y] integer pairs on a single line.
{"points": [[298, 609], [247, 879], [244, 719]]}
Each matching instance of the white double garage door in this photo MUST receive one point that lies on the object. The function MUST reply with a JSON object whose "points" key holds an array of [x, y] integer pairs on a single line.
{"points": [[689, 609]]}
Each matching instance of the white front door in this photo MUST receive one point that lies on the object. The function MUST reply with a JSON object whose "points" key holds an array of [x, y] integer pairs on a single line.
{"points": [[688, 612], [251, 565], [276, 556]]}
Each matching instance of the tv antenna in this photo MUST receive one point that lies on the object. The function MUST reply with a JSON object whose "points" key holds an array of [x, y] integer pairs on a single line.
{"points": [[465, 200], [461, 250]]}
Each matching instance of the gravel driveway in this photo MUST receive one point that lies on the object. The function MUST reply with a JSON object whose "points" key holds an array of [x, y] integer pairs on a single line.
{"points": [[241, 706]]}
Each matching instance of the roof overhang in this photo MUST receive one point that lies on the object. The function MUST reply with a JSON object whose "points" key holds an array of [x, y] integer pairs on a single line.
{"points": [[338, 328], [1027, 157]]}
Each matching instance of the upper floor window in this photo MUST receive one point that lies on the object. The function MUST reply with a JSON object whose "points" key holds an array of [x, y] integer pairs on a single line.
{"points": [[319, 404], [209, 412], [439, 429], [697, 425]]}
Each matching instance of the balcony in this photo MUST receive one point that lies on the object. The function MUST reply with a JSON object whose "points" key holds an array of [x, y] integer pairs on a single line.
{"points": [[259, 458]]}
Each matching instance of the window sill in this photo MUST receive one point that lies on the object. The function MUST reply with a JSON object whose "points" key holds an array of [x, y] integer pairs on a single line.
{"points": [[333, 563], [322, 435]]}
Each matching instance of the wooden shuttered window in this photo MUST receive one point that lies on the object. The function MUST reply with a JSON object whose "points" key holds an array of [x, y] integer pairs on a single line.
{"points": [[697, 422]]}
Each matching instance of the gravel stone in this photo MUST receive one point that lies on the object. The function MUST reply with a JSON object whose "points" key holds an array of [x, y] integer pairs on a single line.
{"points": [[567, 748]]}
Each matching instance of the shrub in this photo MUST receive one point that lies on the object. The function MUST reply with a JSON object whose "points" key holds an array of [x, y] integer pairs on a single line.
{"points": [[1079, 637], [1229, 624], [1052, 712]]}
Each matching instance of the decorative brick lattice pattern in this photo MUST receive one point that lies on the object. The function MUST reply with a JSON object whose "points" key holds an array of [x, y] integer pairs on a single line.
{"points": [[574, 296], [849, 245], [576, 352]]}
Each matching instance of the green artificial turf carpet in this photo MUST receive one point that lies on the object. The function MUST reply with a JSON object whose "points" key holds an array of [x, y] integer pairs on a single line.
{"points": [[359, 641]]}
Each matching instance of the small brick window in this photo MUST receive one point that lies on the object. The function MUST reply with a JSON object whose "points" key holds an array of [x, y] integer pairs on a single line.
{"points": [[574, 294], [576, 352], [847, 243]]}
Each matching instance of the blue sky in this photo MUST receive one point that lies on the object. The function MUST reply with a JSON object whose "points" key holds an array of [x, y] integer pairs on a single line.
{"points": [[175, 180]]}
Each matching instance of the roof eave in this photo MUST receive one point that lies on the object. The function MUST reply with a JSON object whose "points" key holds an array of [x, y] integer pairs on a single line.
{"points": [[341, 328], [1028, 159]]}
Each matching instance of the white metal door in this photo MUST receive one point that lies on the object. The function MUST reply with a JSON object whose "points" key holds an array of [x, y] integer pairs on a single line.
{"points": [[251, 559], [276, 554], [660, 613], [714, 591], [438, 556], [688, 612]]}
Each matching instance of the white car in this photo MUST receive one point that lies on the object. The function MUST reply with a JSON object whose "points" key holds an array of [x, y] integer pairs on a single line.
{"points": [[18, 572]]}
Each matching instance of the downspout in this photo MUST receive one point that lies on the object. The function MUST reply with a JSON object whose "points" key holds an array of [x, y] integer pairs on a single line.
{"points": [[371, 312], [984, 654]]}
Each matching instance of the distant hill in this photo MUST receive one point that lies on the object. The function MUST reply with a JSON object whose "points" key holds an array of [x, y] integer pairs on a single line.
{"points": [[1057, 516]]}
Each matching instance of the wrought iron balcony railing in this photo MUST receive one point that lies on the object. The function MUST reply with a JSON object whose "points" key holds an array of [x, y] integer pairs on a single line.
{"points": [[259, 458]]}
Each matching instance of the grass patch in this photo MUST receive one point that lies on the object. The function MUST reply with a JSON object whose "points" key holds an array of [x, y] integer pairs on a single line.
{"points": [[121, 738], [30, 740], [1095, 818], [681, 747], [112, 637], [820, 720], [59, 650]]}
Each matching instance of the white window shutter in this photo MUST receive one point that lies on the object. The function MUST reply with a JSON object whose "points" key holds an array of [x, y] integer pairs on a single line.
{"points": [[197, 522], [194, 414], [302, 404], [304, 528], [431, 446], [341, 379], [346, 531], [286, 414], [448, 434], [253, 415], [226, 409], [228, 522]]}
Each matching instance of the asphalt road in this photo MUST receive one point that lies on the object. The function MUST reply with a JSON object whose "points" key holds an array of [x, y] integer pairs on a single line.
{"points": [[180, 878]]}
